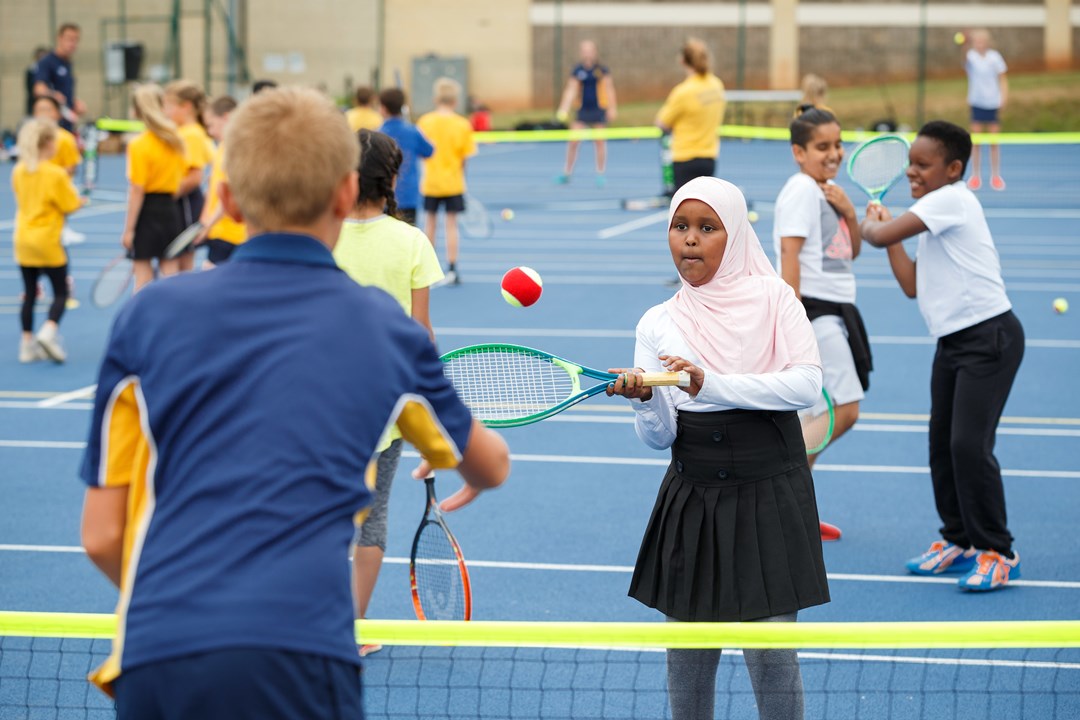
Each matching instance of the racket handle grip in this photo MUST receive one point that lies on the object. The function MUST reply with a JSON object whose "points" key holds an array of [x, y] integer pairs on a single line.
{"points": [[666, 379]]}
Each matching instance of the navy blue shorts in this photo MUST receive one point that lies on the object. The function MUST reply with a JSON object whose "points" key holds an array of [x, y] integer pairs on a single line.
{"points": [[592, 116], [241, 684], [453, 203], [984, 115]]}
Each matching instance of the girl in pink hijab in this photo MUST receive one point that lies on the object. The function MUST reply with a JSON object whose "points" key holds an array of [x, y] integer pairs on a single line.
{"points": [[734, 532]]}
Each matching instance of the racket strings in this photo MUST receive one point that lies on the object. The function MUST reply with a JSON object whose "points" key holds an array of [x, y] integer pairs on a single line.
{"points": [[440, 587], [507, 385], [877, 165], [111, 284]]}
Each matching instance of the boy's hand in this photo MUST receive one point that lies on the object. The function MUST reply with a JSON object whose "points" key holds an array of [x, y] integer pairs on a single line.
{"points": [[839, 199]]}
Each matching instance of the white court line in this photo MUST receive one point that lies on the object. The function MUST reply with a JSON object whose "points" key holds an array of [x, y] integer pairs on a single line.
{"points": [[619, 569], [62, 398], [632, 225], [27, 405]]}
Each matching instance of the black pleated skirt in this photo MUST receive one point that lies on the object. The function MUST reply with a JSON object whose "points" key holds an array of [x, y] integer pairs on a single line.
{"points": [[734, 533], [158, 223]]}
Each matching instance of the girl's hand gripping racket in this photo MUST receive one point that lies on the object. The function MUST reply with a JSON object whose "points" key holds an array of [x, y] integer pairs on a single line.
{"points": [[437, 572], [878, 164], [510, 385]]}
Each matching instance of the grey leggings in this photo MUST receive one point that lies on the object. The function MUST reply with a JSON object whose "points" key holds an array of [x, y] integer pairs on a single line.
{"points": [[774, 675], [373, 532]]}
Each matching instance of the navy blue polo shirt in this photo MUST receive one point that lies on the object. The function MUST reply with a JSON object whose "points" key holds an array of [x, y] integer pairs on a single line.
{"points": [[57, 74], [241, 408]]}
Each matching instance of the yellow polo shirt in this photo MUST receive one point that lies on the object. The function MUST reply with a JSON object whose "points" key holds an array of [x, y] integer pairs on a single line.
{"points": [[226, 228], [67, 150], [154, 165], [452, 136], [363, 118], [198, 146], [694, 111], [43, 198]]}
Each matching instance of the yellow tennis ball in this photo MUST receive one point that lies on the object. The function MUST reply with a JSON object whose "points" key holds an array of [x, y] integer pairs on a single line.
{"points": [[752, 216], [511, 299], [1061, 306], [959, 38], [507, 214]]}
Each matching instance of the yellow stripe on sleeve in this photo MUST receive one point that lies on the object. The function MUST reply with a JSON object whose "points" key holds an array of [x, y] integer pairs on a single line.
{"points": [[420, 427], [124, 447]]}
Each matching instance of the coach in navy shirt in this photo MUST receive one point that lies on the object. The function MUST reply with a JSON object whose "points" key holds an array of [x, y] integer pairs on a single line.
{"points": [[237, 413], [56, 78]]}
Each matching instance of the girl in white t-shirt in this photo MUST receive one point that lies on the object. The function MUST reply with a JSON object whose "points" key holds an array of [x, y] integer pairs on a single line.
{"points": [[988, 90], [956, 277], [816, 238]]}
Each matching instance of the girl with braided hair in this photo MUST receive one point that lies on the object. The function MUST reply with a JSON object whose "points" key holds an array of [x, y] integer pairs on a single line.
{"points": [[376, 248]]}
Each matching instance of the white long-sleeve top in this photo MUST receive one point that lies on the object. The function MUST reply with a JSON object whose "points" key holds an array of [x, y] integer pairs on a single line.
{"points": [[655, 421]]}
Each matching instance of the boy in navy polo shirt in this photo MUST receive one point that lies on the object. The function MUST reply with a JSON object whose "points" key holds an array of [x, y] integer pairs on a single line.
{"points": [[956, 278], [237, 413]]}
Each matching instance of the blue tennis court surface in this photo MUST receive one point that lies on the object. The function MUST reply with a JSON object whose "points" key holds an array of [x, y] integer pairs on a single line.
{"points": [[557, 542]]}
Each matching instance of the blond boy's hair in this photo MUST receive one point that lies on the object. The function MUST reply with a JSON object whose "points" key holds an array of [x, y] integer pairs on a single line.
{"points": [[146, 100], [814, 89], [33, 137], [447, 91], [289, 150]]}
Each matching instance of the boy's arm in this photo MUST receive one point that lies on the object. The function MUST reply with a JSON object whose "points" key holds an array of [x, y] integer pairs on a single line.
{"points": [[790, 247], [881, 230], [903, 268], [424, 148], [104, 520]]}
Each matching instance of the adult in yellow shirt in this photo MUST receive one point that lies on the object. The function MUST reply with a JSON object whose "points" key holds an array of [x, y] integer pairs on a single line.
{"points": [[67, 154], [444, 172], [156, 164], [44, 194], [222, 234], [692, 114], [362, 116]]}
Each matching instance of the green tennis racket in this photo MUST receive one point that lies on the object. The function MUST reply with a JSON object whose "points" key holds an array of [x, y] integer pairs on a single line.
{"points": [[878, 164], [511, 385], [818, 422]]}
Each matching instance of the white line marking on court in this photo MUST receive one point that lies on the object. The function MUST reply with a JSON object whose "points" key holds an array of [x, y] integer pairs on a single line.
{"points": [[620, 569], [62, 398], [632, 225], [27, 405], [43, 444]]}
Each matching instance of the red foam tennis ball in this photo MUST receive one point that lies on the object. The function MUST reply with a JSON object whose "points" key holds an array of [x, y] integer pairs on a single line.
{"points": [[522, 286]]}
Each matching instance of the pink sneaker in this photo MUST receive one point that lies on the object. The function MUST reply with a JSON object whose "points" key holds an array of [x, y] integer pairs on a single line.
{"points": [[974, 182], [997, 183]]}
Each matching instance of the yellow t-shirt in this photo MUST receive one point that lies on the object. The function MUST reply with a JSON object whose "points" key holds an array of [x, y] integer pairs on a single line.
{"points": [[363, 118], [694, 111], [43, 198], [154, 165], [198, 146], [67, 150], [393, 256], [452, 136], [226, 228]]}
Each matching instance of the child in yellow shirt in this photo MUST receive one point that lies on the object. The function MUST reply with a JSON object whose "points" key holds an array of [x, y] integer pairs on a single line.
{"points": [[222, 234], [444, 172], [44, 194], [362, 116], [156, 164], [185, 104], [67, 154]]}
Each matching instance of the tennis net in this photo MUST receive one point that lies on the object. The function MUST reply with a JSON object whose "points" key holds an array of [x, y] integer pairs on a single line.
{"points": [[618, 670]]}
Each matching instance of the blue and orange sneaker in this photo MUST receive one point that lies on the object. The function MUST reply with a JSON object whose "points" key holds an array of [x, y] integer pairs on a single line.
{"points": [[942, 557], [992, 571]]}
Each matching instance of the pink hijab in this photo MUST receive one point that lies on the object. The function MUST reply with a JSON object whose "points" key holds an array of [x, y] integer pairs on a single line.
{"points": [[746, 319]]}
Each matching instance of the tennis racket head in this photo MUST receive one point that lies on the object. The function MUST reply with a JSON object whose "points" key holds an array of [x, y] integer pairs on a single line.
{"points": [[878, 164], [183, 241], [113, 282], [476, 221], [438, 576], [818, 422]]}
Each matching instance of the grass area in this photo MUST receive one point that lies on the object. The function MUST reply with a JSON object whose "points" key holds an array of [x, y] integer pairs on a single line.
{"points": [[1044, 102]]}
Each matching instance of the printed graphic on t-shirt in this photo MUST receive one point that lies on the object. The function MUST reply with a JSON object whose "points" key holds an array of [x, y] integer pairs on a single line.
{"points": [[836, 241]]}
